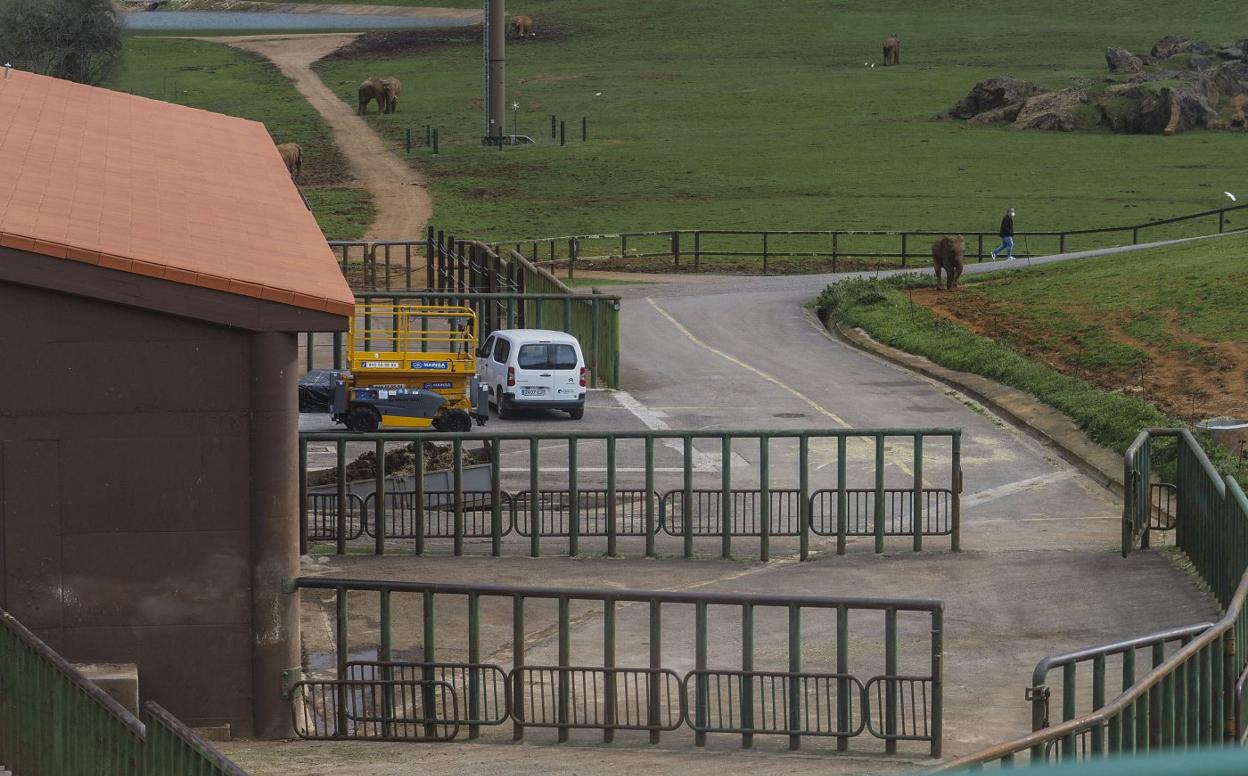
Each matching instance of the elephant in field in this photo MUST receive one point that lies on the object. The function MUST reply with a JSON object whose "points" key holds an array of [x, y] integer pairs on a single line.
{"points": [[390, 92], [947, 253], [372, 89], [522, 26], [292, 155], [892, 51]]}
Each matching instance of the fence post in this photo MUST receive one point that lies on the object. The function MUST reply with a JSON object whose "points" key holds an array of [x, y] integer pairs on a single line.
{"points": [[1221, 221], [916, 510], [379, 500], [594, 345], [341, 449], [303, 497], [955, 508], [1135, 235], [676, 247], [903, 249], [938, 680], [435, 141], [979, 255], [563, 138], [1061, 243], [408, 140], [584, 128], [764, 253], [697, 249], [552, 126], [835, 236], [573, 249]]}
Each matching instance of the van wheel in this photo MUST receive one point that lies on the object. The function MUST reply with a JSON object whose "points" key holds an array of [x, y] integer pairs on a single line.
{"points": [[504, 406], [363, 419], [577, 413]]}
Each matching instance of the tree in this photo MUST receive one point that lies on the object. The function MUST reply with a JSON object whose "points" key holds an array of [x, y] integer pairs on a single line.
{"points": [[75, 39]]}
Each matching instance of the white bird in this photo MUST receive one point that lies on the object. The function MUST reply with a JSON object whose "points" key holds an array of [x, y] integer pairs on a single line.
{"points": [[872, 65], [597, 94], [1232, 196]]}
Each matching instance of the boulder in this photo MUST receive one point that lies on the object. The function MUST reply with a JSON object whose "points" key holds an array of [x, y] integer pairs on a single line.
{"points": [[1171, 45], [1051, 110], [991, 94], [1230, 52], [1003, 115], [1137, 110], [1201, 63], [1191, 106], [1231, 78], [1122, 61]]}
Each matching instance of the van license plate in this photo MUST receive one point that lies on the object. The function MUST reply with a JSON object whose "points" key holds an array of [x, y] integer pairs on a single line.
{"points": [[532, 391]]}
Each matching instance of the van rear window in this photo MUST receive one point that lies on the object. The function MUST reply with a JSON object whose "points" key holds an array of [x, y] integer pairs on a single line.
{"points": [[547, 356]]}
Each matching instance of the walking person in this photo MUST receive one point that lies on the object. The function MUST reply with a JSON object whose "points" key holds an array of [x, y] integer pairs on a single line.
{"points": [[1007, 237]]}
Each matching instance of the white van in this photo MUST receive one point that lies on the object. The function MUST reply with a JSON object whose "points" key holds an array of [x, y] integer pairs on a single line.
{"points": [[533, 369]]}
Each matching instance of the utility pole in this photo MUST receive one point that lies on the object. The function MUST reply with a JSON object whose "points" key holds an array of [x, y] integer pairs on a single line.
{"points": [[495, 70]]}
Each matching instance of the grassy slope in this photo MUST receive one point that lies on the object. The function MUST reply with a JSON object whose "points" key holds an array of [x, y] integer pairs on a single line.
{"points": [[1207, 300], [221, 79], [720, 114]]}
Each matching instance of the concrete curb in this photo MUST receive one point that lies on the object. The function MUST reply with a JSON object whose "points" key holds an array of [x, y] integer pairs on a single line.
{"points": [[1022, 410]]}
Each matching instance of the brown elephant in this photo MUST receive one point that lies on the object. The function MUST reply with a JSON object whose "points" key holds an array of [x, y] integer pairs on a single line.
{"points": [[947, 253], [522, 26], [390, 92], [892, 51], [372, 89], [292, 155]]}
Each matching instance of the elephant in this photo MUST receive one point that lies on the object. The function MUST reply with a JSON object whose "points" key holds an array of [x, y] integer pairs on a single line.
{"points": [[390, 91], [892, 51], [372, 89], [292, 155], [521, 25], [947, 253]]}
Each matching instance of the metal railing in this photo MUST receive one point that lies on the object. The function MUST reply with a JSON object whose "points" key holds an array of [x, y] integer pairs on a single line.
{"points": [[542, 686], [634, 498], [1195, 696], [768, 250], [56, 722]]}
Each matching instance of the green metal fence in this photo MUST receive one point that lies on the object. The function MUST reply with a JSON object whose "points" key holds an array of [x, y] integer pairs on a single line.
{"points": [[789, 250], [624, 677], [55, 722], [506, 290], [1195, 696], [648, 490]]}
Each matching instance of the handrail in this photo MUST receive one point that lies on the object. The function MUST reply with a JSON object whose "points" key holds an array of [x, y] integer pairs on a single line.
{"points": [[616, 594], [1103, 715], [447, 436], [1047, 664]]}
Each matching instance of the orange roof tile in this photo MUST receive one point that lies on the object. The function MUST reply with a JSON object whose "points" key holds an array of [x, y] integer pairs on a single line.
{"points": [[157, 189]]}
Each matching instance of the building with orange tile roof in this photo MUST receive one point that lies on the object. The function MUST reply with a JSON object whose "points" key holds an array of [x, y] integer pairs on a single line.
{"points": [[156, 266]]}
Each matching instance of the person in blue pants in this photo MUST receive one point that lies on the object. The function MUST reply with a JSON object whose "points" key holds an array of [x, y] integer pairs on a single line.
{"points": [[1007, 237]]}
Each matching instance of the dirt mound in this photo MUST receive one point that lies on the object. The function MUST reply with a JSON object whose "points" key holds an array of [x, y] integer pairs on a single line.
{"points": [[399, 461], [1182, 375]]}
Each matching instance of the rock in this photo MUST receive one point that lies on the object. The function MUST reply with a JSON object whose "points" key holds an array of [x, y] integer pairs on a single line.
{"points": [[1190, 107], [1201, 63], [1171, 45], [1156, 75], [991, 94], [1122, 61], [1003, 115], [1051, 110], [1231, 78], [1136, 110], [1230, 52]]}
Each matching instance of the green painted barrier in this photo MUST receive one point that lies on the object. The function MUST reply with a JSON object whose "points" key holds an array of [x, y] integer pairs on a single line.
{"points": [[55, 722]]}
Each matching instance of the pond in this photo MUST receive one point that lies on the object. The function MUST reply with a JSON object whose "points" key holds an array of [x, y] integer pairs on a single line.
{"points": [[234, 20]]}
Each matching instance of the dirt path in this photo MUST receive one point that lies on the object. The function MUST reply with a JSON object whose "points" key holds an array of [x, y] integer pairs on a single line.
{"points": [[403, 205]]}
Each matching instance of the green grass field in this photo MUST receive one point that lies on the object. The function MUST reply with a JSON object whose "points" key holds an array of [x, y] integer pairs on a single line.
{"points": [[218, 78], [734, 114], [1118, 343]]}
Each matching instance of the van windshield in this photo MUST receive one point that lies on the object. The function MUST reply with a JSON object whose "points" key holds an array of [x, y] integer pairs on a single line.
{"points": [[547, 356]]}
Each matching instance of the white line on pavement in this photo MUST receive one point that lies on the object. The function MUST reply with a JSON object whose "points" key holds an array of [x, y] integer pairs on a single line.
{"points": [[1010, 488]]}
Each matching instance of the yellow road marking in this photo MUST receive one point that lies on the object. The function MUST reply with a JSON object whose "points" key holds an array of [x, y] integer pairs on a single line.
{"points": [[893, 455]]}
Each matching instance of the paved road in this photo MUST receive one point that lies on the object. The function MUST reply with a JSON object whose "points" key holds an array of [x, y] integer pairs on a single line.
{"points": [[1039, 573]]}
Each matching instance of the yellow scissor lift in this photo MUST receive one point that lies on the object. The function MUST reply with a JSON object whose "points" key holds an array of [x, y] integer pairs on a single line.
{"points": [[412, 366]]}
